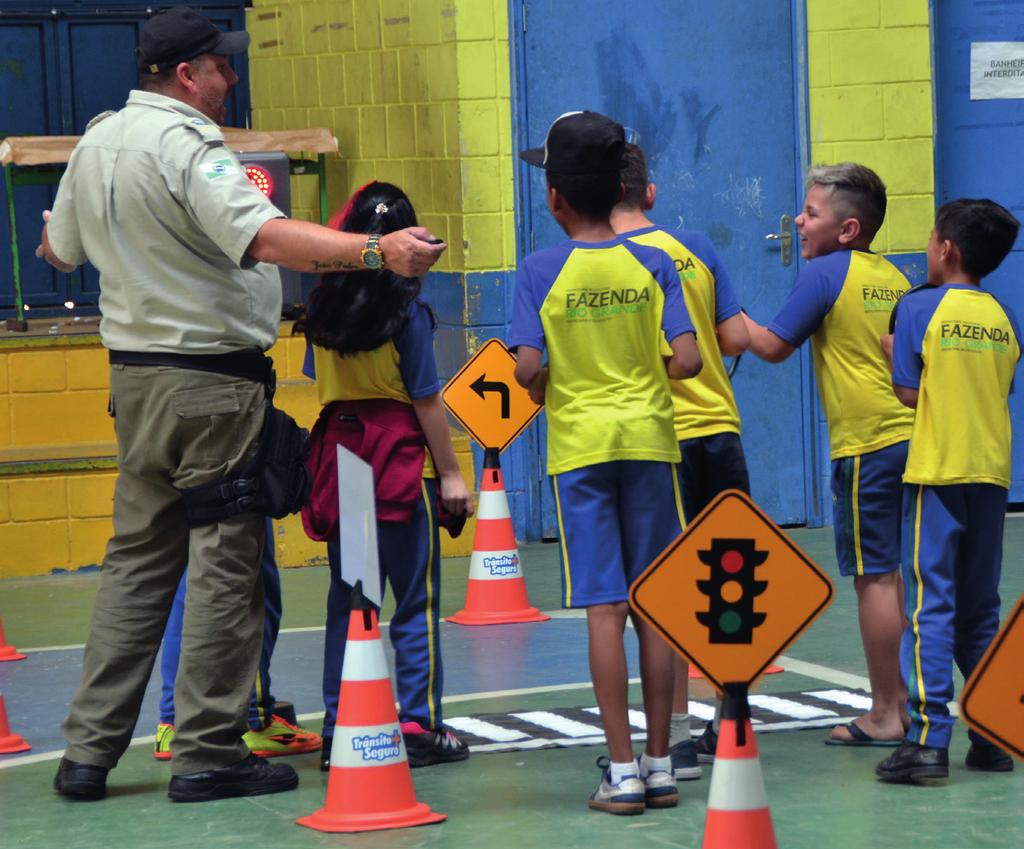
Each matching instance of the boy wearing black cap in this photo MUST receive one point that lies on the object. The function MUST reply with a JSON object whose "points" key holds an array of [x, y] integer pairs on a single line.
{"points": [[599, 304]]}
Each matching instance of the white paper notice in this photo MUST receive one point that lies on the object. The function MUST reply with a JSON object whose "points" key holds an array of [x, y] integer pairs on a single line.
{"points": [[997, 70], [357, 521]]}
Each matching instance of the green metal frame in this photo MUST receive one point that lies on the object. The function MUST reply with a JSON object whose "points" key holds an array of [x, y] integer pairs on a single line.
{"points": [[48, 175]]}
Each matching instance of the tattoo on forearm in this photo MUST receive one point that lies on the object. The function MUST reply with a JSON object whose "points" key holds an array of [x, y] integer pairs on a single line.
{"points": [[337, 265]]}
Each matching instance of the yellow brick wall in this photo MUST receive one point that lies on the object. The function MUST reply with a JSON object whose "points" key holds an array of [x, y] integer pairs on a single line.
{"points": [[53, 400], [869, 65], [417, 93]]}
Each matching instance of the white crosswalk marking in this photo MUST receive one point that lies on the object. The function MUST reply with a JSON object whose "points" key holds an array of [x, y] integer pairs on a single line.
{"points": [[568, 727], [701, 711], [787, 707], [487, 730], [843, 697], [636, 717]]}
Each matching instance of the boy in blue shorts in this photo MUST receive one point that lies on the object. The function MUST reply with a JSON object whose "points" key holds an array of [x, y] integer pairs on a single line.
{"points": [[707, 422], [954, 354], [599, 305], [841, 301]]}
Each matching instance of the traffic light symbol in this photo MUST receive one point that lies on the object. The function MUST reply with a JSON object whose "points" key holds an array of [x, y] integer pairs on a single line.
{"points": [[731, 590]]}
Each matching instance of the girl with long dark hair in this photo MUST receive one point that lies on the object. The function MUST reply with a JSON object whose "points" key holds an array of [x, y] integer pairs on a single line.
{"points": [[371, 341]]}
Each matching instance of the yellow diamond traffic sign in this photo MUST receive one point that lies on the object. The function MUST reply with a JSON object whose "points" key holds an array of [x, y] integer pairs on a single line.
{"points": [[993, 699], [732, 592], [486, 399]]}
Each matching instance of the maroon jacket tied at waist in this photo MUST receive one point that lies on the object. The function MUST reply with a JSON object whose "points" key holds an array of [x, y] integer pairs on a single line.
{"points": [[384, 433]]}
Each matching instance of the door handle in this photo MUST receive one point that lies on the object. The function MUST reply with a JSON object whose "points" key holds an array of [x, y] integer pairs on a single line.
{"points": [[784, 237]]}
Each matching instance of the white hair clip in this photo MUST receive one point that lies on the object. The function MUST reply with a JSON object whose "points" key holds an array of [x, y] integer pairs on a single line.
{"points": [[381, 208]]}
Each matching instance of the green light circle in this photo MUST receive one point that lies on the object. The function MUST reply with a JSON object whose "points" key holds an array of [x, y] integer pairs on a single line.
{"points": [[730, 622]]}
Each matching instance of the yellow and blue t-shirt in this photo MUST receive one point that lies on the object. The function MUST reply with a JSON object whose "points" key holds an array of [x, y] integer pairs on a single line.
{"points": [[705, 404], [600, 309], [402, 369], [842, 301], [958, 346]]}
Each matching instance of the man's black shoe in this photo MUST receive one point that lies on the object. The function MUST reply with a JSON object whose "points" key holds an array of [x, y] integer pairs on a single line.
{"points": [[912, 764], [435, 746], [325, 753], [80, 781], [253, 776], [987, 758]]}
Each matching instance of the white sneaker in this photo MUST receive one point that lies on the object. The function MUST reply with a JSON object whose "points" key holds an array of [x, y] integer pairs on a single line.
{"points": [[626, 797], [659, 784]]}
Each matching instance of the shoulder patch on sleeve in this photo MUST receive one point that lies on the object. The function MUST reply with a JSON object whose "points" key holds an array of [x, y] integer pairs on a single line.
{"points": [[206, 130], [102, 116], [218, 168]]}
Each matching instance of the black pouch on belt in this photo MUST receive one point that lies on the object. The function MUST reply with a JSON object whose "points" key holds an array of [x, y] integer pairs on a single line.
{"points": [[275, 483]]}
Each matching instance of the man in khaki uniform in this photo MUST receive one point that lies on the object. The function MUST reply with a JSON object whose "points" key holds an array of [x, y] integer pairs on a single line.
{"points": [[189, 303]]}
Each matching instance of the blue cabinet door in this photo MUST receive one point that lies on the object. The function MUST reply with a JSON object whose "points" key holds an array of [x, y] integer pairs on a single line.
{"points": [[978, 151], [714, 98]]}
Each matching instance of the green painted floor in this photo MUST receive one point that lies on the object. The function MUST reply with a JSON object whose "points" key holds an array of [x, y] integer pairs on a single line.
{"points": [[820, 796]]}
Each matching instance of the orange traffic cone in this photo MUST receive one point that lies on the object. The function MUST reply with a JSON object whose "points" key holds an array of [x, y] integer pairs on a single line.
{"points": [[8, 652], [738, 815], [369, 787], [496, 590], [9, 742]]}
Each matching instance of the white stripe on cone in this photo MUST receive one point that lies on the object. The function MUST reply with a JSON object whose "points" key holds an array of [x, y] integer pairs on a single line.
{"points": [[367, 745], [495, 565], [493, 504], [364, 661], [737, 785]]}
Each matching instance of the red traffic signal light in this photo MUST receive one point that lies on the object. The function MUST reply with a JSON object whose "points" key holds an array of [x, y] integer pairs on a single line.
{"points": [[260, 178], [731, 589]]}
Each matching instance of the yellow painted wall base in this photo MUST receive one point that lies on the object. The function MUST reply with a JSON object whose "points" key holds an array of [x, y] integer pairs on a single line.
{"points": [[57, 448]]}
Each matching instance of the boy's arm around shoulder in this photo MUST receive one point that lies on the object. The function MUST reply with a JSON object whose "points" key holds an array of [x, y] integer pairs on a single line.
{"points": [[764, 343]]}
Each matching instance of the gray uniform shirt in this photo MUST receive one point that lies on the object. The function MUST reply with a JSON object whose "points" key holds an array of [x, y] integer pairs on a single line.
{"points": [[163, 209]]}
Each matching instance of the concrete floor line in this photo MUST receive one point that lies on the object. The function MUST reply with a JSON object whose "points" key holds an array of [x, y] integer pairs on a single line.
{"points": [[310, 629]]}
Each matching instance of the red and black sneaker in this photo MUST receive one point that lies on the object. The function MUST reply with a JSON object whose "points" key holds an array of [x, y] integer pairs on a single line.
{"points": [[425, 747]]}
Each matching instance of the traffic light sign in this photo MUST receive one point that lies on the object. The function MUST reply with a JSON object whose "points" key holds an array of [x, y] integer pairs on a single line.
{"points": [[731, 590], [701, 592]]}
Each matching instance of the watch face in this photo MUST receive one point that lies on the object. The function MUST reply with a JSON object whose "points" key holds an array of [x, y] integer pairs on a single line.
{"points": [[372, 259]]}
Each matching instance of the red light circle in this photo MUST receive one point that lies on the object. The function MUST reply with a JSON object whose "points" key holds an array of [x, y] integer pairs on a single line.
{"points": [[732, 561], [260, 178]]}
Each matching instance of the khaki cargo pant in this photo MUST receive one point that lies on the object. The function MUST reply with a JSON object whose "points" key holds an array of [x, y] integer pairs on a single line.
{"points": [[175, 428]]}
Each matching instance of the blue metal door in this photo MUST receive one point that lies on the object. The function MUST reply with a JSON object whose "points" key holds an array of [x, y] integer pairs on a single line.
{"points": [[978, 149], [61, 64], [714, 98]]}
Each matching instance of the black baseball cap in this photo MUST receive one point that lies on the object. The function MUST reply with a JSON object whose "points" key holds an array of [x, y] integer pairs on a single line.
{"points": [[580, 143], [180, 34]]}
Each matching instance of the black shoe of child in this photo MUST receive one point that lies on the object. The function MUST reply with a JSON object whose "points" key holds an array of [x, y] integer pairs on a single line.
{"points": [[325, 753], [914, 764], [436, 746], [987, 758], [80, 781], [706, 744]]}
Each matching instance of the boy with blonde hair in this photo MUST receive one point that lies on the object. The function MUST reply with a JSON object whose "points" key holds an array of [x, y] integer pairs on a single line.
{"points": [[841, 301]]}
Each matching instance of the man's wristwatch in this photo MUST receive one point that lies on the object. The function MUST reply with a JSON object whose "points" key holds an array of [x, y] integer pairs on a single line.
{"points": [[370, 256]]}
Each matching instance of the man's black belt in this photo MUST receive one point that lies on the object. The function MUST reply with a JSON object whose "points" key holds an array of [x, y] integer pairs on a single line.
{"points": [[251, 364]]}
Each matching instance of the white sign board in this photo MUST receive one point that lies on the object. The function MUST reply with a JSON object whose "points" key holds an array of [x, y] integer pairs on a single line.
{"points": [[997, 70], [357, 522]]}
